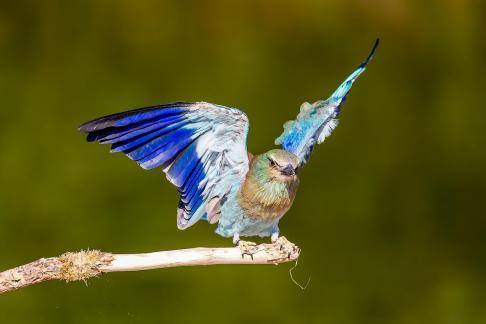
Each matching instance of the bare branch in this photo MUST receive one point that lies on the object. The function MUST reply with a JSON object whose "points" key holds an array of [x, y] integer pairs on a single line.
{"points": [[73, 266]]}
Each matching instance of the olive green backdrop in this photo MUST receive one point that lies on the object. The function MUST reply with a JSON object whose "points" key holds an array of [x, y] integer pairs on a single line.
{"points": [[391, 212]]}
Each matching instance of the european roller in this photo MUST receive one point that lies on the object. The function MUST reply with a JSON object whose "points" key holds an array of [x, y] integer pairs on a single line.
{"points": [[202, 149]]}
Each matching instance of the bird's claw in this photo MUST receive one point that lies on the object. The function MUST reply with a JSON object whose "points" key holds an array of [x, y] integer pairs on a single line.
{"points": [[285, 247], [247, 248]]}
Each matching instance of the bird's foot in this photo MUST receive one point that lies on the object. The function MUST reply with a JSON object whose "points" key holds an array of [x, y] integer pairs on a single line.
{"points": [[247, 248], [278, 251], [285, 246]]}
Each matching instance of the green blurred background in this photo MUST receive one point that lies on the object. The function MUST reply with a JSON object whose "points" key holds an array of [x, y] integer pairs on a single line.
{"points": [[391, 212]]}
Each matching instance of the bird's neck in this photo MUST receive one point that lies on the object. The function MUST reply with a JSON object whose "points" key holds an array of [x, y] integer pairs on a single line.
{"points": [[262, 196]]}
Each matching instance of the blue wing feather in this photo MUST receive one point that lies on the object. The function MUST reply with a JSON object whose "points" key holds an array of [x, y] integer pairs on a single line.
{"points": [[140, 147], [169, 148], [141, 130], [188, 193], [158, 134], [343, 89], [132, 117], [192, 179], [156, 113], [182, 168]]}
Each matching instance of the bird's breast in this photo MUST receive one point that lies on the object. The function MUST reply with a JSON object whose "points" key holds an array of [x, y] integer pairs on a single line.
{"points": [[268, 200]]}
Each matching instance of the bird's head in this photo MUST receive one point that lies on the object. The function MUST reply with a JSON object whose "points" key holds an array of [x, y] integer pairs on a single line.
{"points": [[279, 165]]}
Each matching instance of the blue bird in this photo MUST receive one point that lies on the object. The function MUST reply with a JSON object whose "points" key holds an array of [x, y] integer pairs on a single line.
{"points": [[202, 148]]}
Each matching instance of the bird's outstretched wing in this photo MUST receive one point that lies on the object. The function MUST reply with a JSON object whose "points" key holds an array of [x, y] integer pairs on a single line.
{"points": [[316, 121], [200, 146]]}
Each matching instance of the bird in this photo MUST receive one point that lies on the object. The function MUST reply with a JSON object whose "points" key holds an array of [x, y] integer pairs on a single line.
{"points": [[202, 149]]}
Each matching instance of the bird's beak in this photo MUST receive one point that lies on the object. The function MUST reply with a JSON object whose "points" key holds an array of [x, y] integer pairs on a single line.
{"points": [[288, 170]]}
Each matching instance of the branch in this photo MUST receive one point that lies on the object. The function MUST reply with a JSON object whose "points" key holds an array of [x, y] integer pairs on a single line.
{"points": [[74, 266]]}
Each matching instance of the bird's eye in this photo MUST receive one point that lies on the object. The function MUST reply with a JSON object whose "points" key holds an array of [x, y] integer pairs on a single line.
{"points": [[272, 162]]}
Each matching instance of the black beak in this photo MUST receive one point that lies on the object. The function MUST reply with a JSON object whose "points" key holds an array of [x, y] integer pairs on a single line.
{"points": [[288, 170]]}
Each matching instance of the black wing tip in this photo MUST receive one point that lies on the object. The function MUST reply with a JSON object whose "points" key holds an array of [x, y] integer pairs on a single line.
{"points": [[375, 47], [88, 126], [97, 124], [372, 53]]}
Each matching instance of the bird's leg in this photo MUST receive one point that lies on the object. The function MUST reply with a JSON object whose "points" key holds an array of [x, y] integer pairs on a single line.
{"points": [[236, 238], [274, 234], [274, 237]]}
